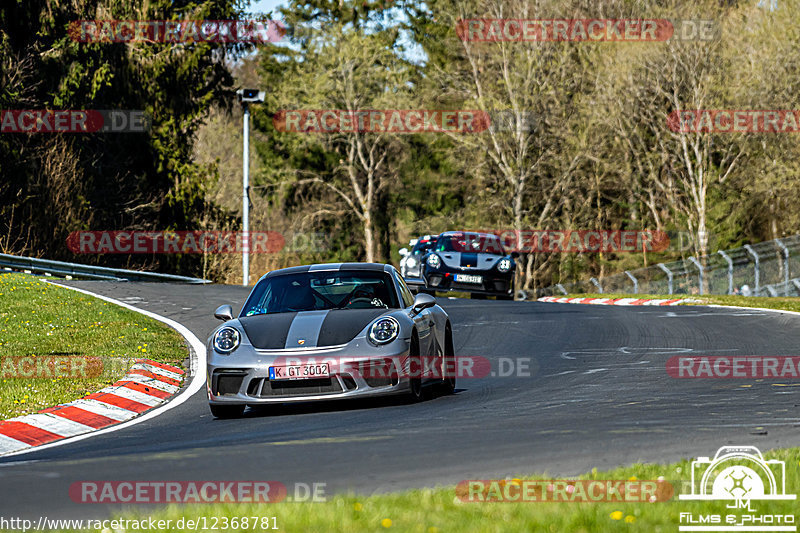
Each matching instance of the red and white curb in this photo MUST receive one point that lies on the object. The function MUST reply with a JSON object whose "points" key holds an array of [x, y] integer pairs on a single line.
{"points": [[147, 385], [101, 403], [611, 301]]}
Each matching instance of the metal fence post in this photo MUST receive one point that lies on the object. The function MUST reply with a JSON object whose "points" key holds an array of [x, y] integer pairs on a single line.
{"points": [[597, 284], [757, 272], [700, 269], [785, 266], [730, 270], [561, 288], [663, 267], [635, 282]]}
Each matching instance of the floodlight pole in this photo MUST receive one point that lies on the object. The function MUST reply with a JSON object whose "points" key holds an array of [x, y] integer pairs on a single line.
{"points": [[246, 198]]}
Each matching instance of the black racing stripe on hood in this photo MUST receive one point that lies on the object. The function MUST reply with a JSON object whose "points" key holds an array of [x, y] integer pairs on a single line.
{"points": [[469, 259], [268, 332], [342, 325]]}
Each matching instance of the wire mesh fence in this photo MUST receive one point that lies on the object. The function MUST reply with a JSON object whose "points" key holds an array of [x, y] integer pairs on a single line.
{"points": [[770, 268]]}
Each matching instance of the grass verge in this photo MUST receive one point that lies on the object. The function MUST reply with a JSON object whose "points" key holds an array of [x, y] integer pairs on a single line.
{"points": [[53, 332], [441, 510]]}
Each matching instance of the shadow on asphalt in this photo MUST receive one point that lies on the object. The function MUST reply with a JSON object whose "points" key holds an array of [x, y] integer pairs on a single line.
{"points": [[287, 409]]}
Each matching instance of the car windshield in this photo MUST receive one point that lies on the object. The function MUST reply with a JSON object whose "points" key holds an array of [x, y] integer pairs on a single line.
{"points": [[316, 291], [421, 248], [470, 242]]}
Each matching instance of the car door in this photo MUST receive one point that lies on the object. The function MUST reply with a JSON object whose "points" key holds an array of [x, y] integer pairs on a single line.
{"points": [[426, 327]]}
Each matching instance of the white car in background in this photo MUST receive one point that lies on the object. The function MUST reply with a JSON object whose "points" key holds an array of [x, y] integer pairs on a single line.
{"points": [[411, 261]]}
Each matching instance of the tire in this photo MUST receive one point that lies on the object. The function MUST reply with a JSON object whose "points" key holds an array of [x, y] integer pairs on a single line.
{"points": [[427, 291], [448, 385], [227, 411], [476, 296], [505, 297], [416, 392]]}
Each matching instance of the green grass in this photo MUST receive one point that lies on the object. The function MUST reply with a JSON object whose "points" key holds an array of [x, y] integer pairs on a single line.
{"points": [[41, 320], [440, 510]]}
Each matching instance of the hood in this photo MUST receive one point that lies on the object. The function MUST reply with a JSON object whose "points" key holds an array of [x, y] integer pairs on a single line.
{"points": [[468, 260], [278, 331]]}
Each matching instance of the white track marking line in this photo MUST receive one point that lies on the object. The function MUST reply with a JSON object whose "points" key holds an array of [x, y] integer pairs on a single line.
{"points": [[54, 424], [197, 359]]}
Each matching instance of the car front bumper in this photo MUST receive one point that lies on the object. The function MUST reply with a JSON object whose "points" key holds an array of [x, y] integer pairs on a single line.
{"points": [[358, 370], [492, 283]]}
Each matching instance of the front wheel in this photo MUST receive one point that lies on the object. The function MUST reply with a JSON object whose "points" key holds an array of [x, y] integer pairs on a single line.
{"points": [[227, 411], [449, 370], [415, 391]]}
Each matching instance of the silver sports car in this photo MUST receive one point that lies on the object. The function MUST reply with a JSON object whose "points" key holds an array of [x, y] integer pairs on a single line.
{"points": [[330, 331]]}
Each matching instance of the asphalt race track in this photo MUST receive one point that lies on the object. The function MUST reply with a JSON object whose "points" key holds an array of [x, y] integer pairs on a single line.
{"points": [[598, 395]]}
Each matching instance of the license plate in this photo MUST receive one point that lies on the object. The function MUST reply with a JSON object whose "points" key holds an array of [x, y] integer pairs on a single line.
{"points": [[301, 371], [468, 278]]}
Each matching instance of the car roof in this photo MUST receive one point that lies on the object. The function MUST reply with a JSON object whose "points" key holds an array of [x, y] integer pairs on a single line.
{"points": [[459, 233], [329, 267]]}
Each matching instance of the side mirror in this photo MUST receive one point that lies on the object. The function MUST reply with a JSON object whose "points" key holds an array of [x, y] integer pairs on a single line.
{"points": [[224, 312], [515, 255], [421, 302], [403, 252]]}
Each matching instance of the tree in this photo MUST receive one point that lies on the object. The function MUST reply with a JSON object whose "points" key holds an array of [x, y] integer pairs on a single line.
{"points": [[346, 65], [57, 183]]}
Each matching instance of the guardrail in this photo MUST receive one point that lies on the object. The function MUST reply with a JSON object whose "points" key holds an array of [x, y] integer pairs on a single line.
{"points": [[770, 268], [76, 270]]}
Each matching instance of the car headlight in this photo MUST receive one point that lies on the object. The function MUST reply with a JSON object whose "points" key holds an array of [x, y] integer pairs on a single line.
{"points": [[384, 330], [434, 261], [226, 340], [504, 265], [411, 263]]}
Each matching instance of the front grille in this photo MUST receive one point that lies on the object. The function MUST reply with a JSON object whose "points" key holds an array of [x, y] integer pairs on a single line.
{"points": [[377, 372], [434, 280], [467, 286], [264, 388], [381, 382], [227, 382]]}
